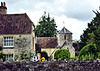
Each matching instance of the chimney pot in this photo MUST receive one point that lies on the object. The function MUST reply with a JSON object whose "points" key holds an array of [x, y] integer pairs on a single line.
{"points": [[4, 4], [1, 4]]}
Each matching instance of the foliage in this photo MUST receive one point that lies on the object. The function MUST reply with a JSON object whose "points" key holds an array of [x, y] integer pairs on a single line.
{"points": [[44, 54], [46, 27], [88, 51], [88, 57], [99, 55], [2, 56], [62, 54], [24, 55], [22, 49], [74, 58], [92, 34]]}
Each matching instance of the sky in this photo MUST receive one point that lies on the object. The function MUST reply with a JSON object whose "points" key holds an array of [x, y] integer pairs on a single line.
{"points": [[73, 14]]}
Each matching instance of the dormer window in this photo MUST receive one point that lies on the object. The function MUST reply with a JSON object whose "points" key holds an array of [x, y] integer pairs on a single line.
{"points": [[8, 42]]}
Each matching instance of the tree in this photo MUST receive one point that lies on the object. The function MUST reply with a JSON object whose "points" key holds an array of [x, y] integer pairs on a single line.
{"points": [[62, 54], [88, 51], [92, 33], [46, 27]]}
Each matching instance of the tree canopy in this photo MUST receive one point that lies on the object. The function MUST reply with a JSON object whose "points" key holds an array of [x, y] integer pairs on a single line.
{"points": [[88, 51], [46, 26], [92, 34]]}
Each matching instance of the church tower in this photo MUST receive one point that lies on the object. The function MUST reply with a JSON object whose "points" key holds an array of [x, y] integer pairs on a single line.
{"points": [[65, 40]]}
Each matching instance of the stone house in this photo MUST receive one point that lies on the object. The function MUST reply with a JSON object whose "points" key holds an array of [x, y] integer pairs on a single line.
{"points": [[46, 44], [63, 40], [16, 32]]}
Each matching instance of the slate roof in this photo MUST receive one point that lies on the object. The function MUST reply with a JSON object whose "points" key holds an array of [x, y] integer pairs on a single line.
{"points": [[47, 42], [64, 31], [15, 24]]}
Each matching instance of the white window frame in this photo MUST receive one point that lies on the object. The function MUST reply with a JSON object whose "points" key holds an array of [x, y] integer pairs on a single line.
{"points": [[9, 57], [9, 45]]}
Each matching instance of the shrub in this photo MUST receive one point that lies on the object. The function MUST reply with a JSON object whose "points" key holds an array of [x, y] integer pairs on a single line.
{"points": [[74, 58], [2, 56], [24, 55], [62, 54], [99, 55], [88, 51]]}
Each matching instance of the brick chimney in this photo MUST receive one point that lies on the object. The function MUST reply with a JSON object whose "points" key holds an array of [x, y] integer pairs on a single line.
{"points": [[3, 8]]}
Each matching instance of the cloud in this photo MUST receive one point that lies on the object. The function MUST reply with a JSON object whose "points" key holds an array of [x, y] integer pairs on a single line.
{"points": [[80, 9], [73, 25]]}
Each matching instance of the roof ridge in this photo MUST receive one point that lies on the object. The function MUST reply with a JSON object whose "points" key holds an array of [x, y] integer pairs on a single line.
{"points": [[64, 30], [46, 37], [14, 14], [28, 18]]}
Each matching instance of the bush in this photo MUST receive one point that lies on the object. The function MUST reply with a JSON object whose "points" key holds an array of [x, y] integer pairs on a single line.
{"points": [[88, 51], [62, 54], [24, 55], [2, 56], [99, 55], [74, 58], [88, 57]]}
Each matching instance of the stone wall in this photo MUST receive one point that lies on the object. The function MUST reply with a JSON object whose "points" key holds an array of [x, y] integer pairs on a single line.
{"points": [[51, 66], [22, 44]]}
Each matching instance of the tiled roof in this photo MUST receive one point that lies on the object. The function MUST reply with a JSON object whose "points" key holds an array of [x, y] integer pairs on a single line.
{"points": [[15, 24], [64, 31], [47, 42]]}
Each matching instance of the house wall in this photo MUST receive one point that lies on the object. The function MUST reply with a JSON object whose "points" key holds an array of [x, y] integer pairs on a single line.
{"points": [[61, 38], [21, 41]]}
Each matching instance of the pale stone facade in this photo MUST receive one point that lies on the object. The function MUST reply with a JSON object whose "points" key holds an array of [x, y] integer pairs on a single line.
{"points": [[65, 41], [21, 43], [49, 51]]}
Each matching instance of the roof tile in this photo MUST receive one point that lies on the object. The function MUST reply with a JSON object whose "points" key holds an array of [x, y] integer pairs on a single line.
{"points": [[64, 31], [15, 24], [47, 42]]}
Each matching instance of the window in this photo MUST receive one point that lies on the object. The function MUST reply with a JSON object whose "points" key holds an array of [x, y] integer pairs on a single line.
{"points": [[9, 57], [64, 37], [8, 42]]}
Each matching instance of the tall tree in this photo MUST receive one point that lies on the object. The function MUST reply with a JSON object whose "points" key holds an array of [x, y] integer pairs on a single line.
{"points": [[92, 33], [46, 27]]}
